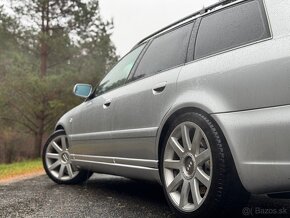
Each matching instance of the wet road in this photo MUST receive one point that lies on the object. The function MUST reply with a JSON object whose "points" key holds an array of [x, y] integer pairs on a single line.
{"points": [[105, 196]]}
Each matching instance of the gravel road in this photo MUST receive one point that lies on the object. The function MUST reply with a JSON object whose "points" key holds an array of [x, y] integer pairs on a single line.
{"points": [[105, 196]]}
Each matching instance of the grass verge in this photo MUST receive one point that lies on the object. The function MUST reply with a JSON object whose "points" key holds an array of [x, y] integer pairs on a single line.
{"points": [[9, 171]]}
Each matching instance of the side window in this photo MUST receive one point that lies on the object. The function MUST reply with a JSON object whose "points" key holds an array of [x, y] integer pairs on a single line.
{"points": [[119, 74], [231, 27], [165, 51]]}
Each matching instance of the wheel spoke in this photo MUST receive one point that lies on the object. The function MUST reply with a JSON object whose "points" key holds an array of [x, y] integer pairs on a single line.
{"points": [[56, 147], [194, 187], [63, 143], [175, 183], [176, 146], [54, 165], [60, 174], [196, 140], [203, 157], [52, 156], [203, 177], [185, 137], [69, 170], [184, 194], [172, 164]]}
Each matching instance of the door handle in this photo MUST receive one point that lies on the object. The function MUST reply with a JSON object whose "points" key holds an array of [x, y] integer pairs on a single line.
{"points": [[107, 103], [159, 88]]}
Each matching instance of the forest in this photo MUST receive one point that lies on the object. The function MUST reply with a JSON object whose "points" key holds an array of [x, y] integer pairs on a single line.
{"points": [[46, 46]]}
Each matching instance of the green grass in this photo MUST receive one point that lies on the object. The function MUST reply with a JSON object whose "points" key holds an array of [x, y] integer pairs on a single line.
{"points": [[20, 168]]}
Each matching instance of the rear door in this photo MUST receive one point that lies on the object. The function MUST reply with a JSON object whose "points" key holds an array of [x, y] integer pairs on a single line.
{"points": [[139, 107]]}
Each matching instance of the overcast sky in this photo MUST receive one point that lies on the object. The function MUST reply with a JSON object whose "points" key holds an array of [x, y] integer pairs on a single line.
{"points": [[136, 19]]}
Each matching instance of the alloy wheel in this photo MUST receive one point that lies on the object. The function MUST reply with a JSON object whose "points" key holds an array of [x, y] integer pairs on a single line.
{"points": [[58, 159], [187, 167]]}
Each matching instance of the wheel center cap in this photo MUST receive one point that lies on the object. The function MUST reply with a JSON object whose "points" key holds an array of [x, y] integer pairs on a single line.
{"points": [[65, 157], [189, 166]]}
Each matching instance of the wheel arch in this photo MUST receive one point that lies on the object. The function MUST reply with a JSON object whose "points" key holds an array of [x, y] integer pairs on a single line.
{"points": [[165, 124], [59, 127]]}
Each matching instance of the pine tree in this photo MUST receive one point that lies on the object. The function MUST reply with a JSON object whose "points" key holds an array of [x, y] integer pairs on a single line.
{"points": [[57, 41]]}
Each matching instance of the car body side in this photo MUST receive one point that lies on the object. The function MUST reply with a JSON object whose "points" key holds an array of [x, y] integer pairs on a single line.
{"points": [[245, 90]]}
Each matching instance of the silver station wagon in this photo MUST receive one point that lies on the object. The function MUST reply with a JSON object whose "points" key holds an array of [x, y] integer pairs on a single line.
{"points": [[201, 106]]}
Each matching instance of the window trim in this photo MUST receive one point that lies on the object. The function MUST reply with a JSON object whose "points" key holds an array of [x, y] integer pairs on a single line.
{"points": [[136, 65], [266, 20], [193, 23], [192, 40]]}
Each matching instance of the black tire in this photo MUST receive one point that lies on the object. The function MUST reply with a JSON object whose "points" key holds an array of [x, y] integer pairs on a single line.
{"points": [[226, 194], [82, 176]]}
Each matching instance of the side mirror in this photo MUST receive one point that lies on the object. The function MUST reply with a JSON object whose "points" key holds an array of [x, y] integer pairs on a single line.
{"points": [[82, 90]]}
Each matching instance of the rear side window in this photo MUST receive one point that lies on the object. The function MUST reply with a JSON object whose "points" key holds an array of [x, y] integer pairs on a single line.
{"points": [[166, 51], [231, 27]]}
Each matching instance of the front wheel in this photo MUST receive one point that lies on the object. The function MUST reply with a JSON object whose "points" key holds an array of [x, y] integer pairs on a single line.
{"points": [[57, 161], [197, 170]]}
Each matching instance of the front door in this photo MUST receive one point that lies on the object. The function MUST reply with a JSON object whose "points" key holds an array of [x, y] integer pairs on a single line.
{"points": [[92, 131]]}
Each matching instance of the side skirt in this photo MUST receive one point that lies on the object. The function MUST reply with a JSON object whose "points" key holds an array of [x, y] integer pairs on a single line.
{"points": [[127, 167]]}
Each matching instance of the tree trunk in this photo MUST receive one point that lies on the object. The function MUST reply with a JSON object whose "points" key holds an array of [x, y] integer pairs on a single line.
{"points": [[43, 68], [43, 39], [43, 59], [38, 140]]}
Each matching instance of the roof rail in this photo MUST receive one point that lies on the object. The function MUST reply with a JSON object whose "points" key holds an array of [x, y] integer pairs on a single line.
{"points": [[200, 12]]}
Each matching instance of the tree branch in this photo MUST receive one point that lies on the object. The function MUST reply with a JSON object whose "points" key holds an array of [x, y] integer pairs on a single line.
{"points": [[19, 122], [23, 114]]}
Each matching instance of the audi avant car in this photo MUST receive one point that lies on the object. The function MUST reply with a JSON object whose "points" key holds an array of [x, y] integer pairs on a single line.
{"points": [[202, 106]]}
